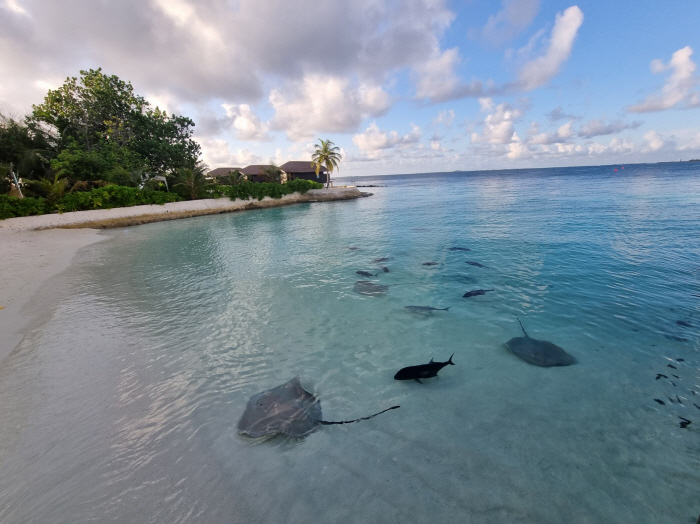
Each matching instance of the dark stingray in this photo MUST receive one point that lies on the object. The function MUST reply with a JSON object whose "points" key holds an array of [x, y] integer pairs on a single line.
{"points": [[365, 287], [431, 263], [538, 352], [476, 292], [287, 409], [475, 264]]}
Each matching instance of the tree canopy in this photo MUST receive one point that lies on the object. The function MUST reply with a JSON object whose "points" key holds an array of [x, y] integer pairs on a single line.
{"points": [[96, 123]]}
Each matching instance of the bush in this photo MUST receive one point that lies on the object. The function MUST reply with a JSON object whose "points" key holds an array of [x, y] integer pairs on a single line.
{"points": [[11, 207], [109, 197], [260, 190]]}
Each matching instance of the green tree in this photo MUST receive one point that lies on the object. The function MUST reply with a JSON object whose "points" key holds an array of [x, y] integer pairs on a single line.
{"points": [[27, 151], [272, 173], [191, 183], [326, 155], [102, 124]]}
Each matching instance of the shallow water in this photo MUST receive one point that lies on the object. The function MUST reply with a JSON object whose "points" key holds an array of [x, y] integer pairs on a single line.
{"points": [[122, 404]]}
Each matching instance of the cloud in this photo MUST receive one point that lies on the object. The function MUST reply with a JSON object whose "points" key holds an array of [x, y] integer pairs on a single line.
{"points": [[324, 104], [599, 128], [499, 126], [542, 69], [558, 114], [654, 142], [218, 153], [437, 81], [445, 117], [679, 90], [374, 139], [246, 124], [559, 136], [510, 21]]}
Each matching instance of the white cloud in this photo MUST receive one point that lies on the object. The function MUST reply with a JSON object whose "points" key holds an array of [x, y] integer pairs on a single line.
{"points": [[13, 6], [598, 128], [542, 69], [510, 21], [560, 135], [679, 89], [374, 139], [517, 150], [218, 153], [499, 126], [655, 142], [445, 117], [246, 124], [325, 104]]}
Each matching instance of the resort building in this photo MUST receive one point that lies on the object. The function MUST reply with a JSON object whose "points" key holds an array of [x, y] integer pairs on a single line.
{"points": [[292, 170]]}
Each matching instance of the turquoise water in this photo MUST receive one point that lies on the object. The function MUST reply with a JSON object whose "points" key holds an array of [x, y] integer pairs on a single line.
{"points": [[122, 404]]}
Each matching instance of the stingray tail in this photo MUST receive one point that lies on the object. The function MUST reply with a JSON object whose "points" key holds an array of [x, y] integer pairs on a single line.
{"points": [[521, 326], [328, 423]]}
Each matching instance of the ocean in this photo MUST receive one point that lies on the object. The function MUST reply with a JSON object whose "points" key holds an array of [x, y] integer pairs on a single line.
{"points": [[122, 403]]}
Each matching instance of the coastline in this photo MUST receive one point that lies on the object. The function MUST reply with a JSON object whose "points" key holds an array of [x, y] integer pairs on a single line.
{"points": [[37, 248], [132, 216]]}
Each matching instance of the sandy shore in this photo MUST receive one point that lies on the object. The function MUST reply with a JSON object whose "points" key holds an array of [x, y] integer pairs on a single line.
{"points": [[131, 216], [37, 248]]}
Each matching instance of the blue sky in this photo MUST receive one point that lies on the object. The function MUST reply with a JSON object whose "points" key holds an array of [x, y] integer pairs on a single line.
{"points": [[400, 87]]}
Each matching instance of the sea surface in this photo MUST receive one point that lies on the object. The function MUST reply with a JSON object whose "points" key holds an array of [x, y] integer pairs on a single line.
{"points": [[122, 404]]}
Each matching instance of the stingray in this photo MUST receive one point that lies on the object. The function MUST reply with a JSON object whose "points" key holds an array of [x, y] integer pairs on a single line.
{"points": [[365, 287], [287, 409], [538, 352]]}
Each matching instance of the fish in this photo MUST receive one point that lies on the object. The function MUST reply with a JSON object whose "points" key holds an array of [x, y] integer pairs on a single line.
{"points": [[365, 287], [366, 273], [684, 324], [384, 268], [353, 248], [431, 263], [685, 422], [680, 360], [476, 293], [660, 401], [383, 259], [671, 366], [428, 370], [288, 410], [538, 352], [659, 375], [458, 249], [425, 309], [475, 264]]}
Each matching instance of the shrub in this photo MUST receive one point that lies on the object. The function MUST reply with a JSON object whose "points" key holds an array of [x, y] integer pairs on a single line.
{"points": [[109, 197], [260, 190], [11, 207]]}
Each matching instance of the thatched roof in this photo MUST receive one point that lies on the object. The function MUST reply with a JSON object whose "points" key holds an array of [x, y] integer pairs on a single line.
{"points": [[300, 166], [222, 171]]}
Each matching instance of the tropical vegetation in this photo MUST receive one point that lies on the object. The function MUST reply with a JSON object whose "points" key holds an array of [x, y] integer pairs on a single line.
{"points": [[327, 155], [95, 144]]}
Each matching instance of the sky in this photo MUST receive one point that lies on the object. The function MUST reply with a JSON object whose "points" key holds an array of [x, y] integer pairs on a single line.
{"points": [[406, 86]]}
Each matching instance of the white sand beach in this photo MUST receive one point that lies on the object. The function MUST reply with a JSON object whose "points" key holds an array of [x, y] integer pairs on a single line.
{"points": [[37, 248]]}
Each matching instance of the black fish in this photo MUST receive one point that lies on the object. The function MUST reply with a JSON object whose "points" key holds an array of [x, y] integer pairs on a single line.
{"points": [[685, 422], [676, 376], [476, 264], [679, 400], [428, 370], [431, 263], [659, 375], [660, 401], [680, 360], [683, 323], [383, 259], [694, 404], [476, 293], [366, 273], [385, 269], [671, 366], [353, 248], [458, 249]]}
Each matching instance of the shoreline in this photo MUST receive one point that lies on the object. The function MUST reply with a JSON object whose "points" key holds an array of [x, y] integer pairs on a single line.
{"points": [[136, 215], [38, 248]]}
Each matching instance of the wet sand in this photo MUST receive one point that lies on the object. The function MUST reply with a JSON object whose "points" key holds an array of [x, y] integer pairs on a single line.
{"points": [[37, 248]]}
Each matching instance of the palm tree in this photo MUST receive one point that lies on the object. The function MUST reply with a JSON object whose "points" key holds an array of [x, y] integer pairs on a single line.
{"points": [[192, 181], [326, 155], [272, 173]]}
